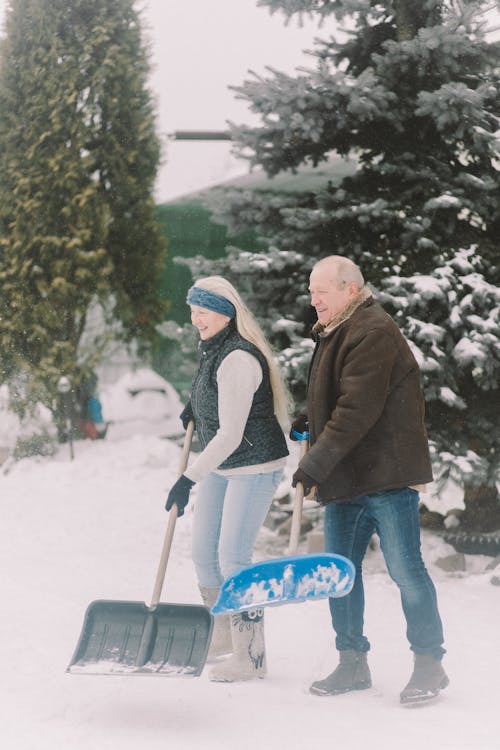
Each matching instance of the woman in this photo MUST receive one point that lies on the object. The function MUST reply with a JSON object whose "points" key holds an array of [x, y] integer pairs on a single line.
{"points": [[237, 403]]}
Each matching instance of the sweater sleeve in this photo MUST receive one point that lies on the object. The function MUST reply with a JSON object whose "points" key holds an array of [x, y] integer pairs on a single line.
{"points": [[238, 377]]}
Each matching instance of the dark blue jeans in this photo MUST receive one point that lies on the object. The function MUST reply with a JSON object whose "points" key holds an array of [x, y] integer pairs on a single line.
{"points": [[394, 515]]}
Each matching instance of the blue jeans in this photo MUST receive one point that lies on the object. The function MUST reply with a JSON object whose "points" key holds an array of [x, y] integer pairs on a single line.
{"points": [[394, 515], [228, 514]]}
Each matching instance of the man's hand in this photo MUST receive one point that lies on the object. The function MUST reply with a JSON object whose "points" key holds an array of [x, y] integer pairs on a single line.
{"points": [[299, 426], [306, 481]]}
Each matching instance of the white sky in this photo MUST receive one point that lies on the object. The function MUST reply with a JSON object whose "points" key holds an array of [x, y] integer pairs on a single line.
{"points": [[199, 49]]}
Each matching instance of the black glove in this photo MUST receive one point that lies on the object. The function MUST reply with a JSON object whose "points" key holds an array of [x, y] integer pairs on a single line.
{"points": [[179, 494], [186, 415], [307, 482], [299, 425]]}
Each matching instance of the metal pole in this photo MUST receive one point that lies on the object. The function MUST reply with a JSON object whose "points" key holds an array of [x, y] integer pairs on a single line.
{"points": [[69, 426], [200, 135], [64, 388]]}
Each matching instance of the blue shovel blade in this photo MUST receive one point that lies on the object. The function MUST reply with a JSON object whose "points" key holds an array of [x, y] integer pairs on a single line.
{"points": [[286, 580]]}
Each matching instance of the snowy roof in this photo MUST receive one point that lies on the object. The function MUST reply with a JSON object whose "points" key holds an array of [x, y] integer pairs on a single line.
{"points": [[307, 178]]}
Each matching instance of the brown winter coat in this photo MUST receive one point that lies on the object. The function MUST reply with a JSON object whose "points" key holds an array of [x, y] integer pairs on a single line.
{"points": [[365, 408]]}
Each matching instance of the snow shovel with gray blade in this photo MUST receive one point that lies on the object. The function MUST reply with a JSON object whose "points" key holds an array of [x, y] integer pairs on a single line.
{"points": [[130, 638], [287, 580]]}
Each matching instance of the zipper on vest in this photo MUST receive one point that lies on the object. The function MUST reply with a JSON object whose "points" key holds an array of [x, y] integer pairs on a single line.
{"points": [[248, 441]]}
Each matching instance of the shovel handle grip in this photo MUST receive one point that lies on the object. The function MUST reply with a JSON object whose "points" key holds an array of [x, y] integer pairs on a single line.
{"points": [[172, 518], [297, 508]]}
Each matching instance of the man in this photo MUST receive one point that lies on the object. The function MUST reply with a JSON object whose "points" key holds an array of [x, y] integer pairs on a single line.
{"points": [[368, 456]]}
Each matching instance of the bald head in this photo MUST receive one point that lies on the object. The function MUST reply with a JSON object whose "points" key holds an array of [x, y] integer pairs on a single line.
{"points": [[340, 270]]}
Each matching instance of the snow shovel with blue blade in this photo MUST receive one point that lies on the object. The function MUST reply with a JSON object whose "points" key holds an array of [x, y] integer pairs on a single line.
{"points": [[287, 580], [130, 638]]}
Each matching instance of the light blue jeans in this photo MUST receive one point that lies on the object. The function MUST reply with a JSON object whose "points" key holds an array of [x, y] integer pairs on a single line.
{"points": [[228, 513]]}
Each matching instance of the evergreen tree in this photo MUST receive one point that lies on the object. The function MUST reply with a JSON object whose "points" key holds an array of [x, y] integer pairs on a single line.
{"points": [[410, 93], [78, 158]]}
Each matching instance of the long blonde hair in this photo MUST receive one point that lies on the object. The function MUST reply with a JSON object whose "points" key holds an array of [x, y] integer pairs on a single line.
{"points": [[250, 330]]}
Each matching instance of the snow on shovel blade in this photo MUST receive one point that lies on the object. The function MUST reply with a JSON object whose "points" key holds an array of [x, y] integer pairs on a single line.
{"points": [[120, 637], [126, 638], [286, 580]]}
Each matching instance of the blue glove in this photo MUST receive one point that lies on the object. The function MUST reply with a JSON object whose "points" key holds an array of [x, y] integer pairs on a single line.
{"points": [[300, 427], [294, 435], [179, 494]]}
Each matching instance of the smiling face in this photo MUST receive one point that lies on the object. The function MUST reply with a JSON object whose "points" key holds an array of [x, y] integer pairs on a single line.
{"points": [[329, 295], [207, 322]]}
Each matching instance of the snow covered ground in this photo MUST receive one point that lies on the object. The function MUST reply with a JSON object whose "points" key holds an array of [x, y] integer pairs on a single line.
{"points": [[92, 528]]}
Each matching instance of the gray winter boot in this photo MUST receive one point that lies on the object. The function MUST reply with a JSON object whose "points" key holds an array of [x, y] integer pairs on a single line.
{"points": [[352, 673], [427, 680], [249, 653], [221, 642]]}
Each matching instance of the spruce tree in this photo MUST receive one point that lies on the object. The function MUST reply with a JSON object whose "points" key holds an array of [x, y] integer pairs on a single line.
{"points": [[409, 92], [78, 159]]}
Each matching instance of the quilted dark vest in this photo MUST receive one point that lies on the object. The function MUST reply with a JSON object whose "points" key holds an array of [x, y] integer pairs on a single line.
{"points": [[263, 439]]}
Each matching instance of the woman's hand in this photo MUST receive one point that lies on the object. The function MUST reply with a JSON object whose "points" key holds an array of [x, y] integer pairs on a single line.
{"points": [[179, 494]]}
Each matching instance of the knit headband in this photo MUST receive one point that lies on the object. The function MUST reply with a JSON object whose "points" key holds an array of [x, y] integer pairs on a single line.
{"points": [[211, 301]]}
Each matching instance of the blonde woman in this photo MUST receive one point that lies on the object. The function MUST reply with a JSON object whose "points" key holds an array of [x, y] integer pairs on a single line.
{"points": [[239, 406]]}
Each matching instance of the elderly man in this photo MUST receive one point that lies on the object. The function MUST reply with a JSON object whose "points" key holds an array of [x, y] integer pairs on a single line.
{"points": [[368, 456]]}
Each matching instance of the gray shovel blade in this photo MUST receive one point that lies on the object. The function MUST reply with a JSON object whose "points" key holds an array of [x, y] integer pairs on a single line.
{"points": [[123, 638]]}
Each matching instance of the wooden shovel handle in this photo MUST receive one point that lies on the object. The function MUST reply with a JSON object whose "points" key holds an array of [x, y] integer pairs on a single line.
{"points": [[297, 508], [172, 518]]}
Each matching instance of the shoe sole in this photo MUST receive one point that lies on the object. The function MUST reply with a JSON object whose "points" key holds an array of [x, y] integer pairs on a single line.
{"points": [[415, 700], [237, 679], [322, 693]]}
